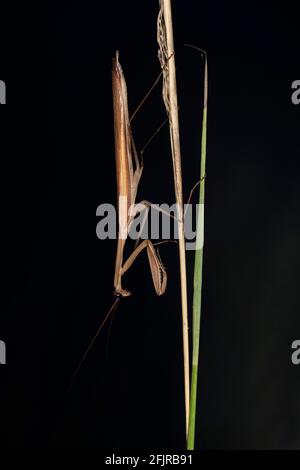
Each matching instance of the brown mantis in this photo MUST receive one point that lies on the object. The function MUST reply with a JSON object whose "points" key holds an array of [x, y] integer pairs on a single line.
{"points": [[129, 168], [129, 171]]}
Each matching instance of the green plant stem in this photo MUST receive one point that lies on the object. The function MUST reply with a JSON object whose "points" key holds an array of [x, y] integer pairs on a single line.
{"points": [[198, 276]]}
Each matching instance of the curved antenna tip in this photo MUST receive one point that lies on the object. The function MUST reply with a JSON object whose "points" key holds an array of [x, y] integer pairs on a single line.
{"points": [[203, 52]]}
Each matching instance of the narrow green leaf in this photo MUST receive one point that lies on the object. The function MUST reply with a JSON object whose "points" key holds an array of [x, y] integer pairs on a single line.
{"points": [[198, 275]]}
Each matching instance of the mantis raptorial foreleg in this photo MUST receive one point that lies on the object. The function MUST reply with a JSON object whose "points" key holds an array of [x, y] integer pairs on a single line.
{"points": [[158, 272]]}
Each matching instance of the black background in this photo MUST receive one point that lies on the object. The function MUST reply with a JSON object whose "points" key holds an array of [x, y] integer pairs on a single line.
{"points": [[57, 146]]}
